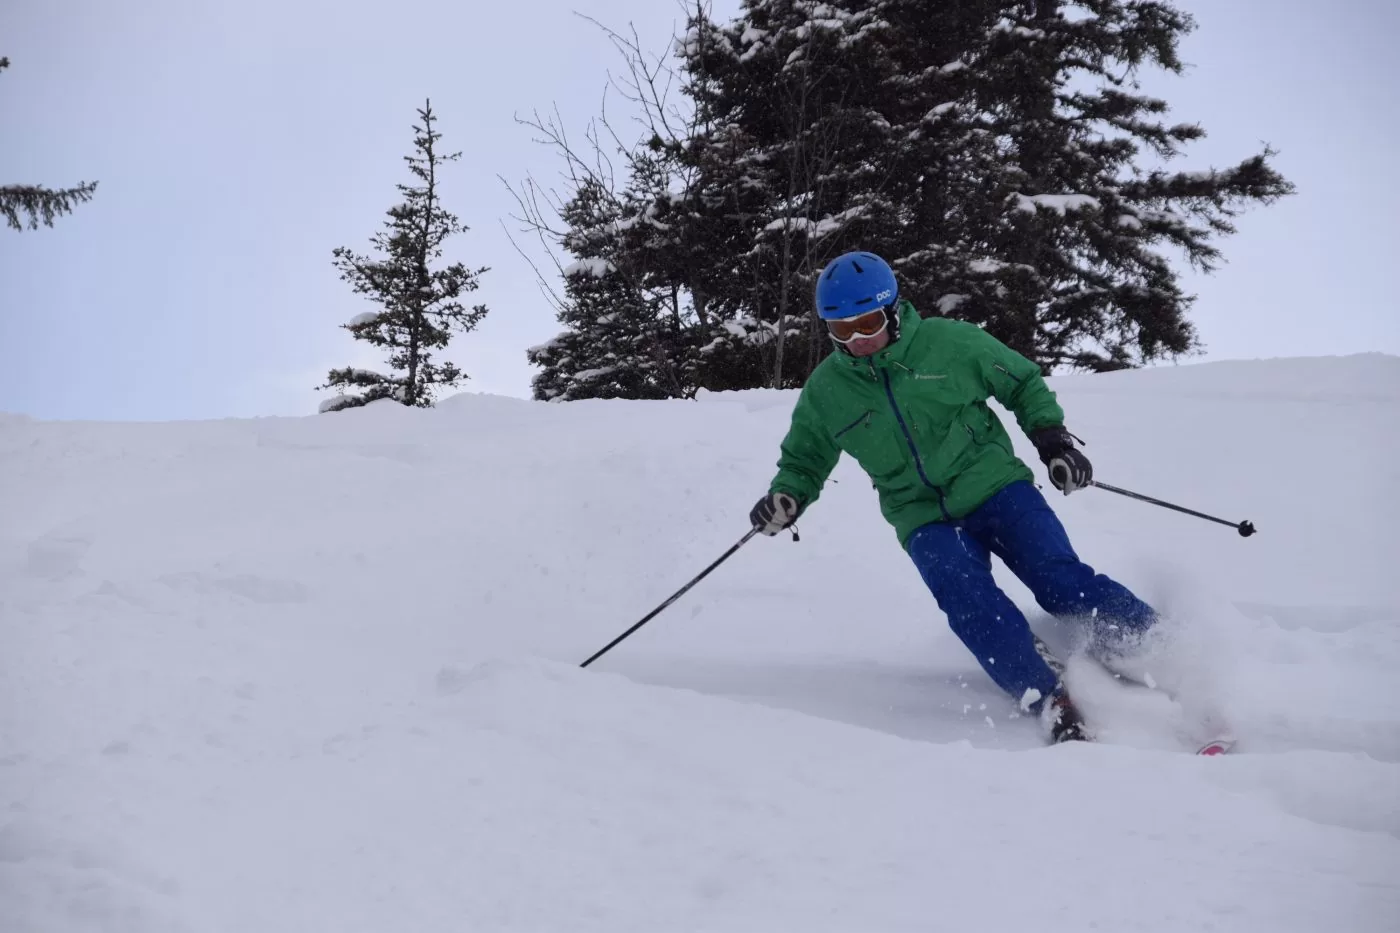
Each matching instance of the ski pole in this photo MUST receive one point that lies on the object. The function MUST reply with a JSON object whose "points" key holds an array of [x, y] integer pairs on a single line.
{"points": [[1244, 528], [675, 596]]}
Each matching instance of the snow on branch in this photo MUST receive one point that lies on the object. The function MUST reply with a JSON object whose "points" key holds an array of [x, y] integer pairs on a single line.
{"points": [[817, 228], [1059, 203], [336, 403], [597, 268], [987, 266]]}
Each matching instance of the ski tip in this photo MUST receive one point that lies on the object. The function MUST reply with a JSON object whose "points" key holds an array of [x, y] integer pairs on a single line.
{"points": [[1216, 747]]}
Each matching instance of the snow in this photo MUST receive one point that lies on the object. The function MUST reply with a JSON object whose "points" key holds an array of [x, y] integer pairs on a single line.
{"points": [[549, 344], [288, 674], [818, 228], [368, 317], [336, 403], [1009, 28], [648, 216], [803, 32], [588, 375], [1059, 203], [986, 266], [1164, 218], [947, 304], [597, 268]]}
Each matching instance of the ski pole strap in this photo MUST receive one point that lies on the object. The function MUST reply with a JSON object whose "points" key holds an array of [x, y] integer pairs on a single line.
{"points": [[1244, 528]]}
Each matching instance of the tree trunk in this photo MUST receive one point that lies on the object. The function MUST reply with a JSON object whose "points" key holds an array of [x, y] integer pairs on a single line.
{"points": [[410, 394], [421, 284]]}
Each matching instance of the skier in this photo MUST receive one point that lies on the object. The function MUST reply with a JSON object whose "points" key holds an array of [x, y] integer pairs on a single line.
{"points": [[907, 398]]}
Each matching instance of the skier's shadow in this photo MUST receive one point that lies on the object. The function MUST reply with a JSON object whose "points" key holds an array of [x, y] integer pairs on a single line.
{"points": [[936, 702]]}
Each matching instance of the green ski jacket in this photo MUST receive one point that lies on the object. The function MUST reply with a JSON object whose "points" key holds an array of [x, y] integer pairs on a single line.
{"points": [[915, 417]]}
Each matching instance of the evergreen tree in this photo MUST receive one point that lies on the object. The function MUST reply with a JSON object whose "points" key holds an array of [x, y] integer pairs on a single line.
{"points": [[619, 342], [783, 96], [41, 204], [420, 306], [1000, 153], [1063, 242], [607, 350], [991, 150]]}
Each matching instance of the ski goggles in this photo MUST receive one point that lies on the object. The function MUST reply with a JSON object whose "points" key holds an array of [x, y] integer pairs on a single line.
{"points": [[869, 324]]}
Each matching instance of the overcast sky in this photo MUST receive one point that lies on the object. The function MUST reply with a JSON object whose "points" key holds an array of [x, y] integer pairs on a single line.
{"points": [[237, 144]]}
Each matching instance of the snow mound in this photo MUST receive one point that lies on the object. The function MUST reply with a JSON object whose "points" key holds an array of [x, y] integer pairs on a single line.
{"points": [[322, 673]]}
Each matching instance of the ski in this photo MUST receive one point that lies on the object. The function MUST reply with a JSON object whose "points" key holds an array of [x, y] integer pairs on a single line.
{"points": [[1219, 745]]}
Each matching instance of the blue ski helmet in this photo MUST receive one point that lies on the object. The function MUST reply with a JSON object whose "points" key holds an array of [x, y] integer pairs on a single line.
{"points": [[855, 283]]}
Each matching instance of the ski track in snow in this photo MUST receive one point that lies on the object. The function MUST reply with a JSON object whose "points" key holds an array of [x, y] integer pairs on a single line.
{"points": [[321, 674]]}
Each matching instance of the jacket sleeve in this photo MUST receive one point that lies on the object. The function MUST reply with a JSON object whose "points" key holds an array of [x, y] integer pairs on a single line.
{"points": [[808, 456], [1015, 382]]}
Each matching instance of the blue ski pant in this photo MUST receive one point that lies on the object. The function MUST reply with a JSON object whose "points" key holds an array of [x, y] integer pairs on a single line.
{"points": [[1018, 526]]}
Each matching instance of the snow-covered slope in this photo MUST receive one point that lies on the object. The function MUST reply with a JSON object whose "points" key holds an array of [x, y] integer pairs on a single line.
{"points": [[321, 674]]}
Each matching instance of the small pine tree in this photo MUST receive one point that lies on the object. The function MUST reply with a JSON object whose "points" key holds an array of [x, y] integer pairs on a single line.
{"points": [[420, 304], [620, 343], [41, 204], [611, 347]]}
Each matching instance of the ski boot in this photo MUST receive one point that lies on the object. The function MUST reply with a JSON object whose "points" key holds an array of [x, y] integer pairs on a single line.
{"points": [[1062, 718]]}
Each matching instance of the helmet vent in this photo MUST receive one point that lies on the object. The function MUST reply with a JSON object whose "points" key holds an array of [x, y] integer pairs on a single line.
{"points": [[858, 268]]}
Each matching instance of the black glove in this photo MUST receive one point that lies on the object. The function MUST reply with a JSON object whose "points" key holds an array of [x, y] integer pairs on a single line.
{"points": [[1069, 469], [774, 512]]}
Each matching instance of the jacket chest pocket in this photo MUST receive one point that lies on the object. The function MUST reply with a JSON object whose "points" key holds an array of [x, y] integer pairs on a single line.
{"points": [[976, 420], [971, 436], [981, 426], [874, 440]]}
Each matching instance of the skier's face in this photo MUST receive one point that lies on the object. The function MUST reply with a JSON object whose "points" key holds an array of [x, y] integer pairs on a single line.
{"points": [[863, 334], [864, 346]]}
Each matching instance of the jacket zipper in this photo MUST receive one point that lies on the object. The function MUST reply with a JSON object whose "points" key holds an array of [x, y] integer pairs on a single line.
{"points": [[865, 416], [918, 462], [1014, 378]]}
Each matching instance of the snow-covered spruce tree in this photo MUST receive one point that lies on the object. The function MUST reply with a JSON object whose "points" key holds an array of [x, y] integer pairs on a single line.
{"points": [[782, 93], [996, 151], [824, 134], [607, 349], [420, 306], [1066, 219], [619, 341], [40, 204]]}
